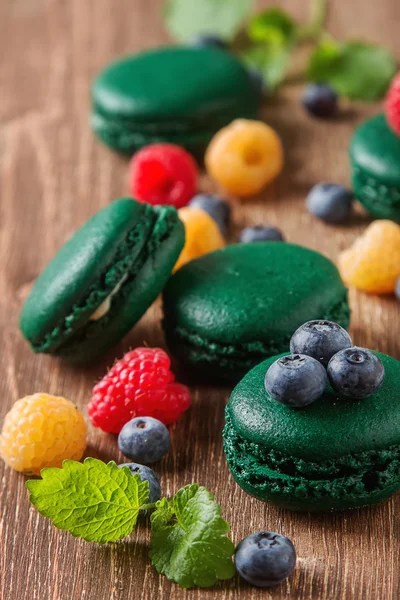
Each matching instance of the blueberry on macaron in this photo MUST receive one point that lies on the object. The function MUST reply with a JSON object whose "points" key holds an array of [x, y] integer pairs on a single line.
{"points": [[356, 373], [260, 233], [265, 559], [208, 40], [320, 339], [296, 380], [330, 202]]}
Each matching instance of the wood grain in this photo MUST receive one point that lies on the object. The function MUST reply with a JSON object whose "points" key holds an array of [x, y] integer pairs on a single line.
{"points": [[53, 176]]}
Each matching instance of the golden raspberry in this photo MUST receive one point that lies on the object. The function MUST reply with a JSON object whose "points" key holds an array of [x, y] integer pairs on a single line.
{"points": [[372, 263], [244, 157], [202, 234], [41, 431]]}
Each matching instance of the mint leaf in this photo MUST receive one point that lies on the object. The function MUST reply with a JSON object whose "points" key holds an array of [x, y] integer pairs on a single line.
{"points": [[357, 70], [273, 26], [186, 18], [271, 61], [189, 543], [94, 500]]}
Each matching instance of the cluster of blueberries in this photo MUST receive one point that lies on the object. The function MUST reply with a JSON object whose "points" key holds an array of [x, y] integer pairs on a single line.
{"points": [[263, 559], [322, 351]]}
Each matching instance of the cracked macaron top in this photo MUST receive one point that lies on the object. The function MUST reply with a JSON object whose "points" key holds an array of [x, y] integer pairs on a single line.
{"points": [[238, 305], [94, 272]]}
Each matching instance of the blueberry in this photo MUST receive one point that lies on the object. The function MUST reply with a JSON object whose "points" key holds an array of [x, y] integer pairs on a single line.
{"points": [[355, 373], [397, 289], [320, 100], [259, 233], [330, 202], [146, 474], [257, 80], [144, 440], [320, 339], [265, 559], [205, 40], [216, 207], [296, 380]]}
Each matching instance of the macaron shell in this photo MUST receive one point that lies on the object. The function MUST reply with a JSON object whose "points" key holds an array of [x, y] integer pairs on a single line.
{"points": [[335, 453], [238, 305], [81, 265], [147, 87], [375, 163]]}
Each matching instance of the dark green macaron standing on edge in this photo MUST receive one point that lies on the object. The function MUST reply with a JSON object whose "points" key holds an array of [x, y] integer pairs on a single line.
{"points": [[102, 280], [181, 95], [227, 311], [334, 454], [375, 166]]}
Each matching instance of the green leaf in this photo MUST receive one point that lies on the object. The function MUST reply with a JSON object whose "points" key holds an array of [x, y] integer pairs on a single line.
{"points": [[94, 500], [357, 70], [273, 26], [186, 18], [272, 62], [189, 543]]}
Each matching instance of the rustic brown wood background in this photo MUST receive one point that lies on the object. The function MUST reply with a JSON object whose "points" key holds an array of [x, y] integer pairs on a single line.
{"points": [[53, 176]]}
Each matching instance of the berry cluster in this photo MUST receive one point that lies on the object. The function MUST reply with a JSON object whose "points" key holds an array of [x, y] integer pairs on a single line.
{"points": [[322, 351]]}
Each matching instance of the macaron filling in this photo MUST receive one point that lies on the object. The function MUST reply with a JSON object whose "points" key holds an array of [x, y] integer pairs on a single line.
{"points": [[106, 295]]}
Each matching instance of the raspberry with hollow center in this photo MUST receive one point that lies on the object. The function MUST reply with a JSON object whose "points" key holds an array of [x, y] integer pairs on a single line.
{"points": [[41, 431], [392, 105], [202, 234], [163, 174], [244, 156], [140, 384], [372, 263]]}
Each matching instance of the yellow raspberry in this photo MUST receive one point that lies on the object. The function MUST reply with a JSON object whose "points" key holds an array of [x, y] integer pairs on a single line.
{"points": [[372, 263], [41, 431], [244, 157], [202, 234]]}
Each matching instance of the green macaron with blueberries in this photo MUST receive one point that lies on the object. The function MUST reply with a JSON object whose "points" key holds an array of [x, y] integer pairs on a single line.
{"points": [[315, 430], [181, 95], [228, 310], [102, 280]]}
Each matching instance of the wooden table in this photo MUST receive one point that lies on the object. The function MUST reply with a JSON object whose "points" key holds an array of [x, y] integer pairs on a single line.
{"points": [[53, 176]]}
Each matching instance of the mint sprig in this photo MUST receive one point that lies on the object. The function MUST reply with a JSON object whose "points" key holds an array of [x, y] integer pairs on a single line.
{"points": [[92, 500], [189, 543], [100, 503], [268, 41]]}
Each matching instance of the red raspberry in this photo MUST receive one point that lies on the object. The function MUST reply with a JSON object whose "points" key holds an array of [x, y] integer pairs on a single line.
{"points": [[141, 384], [392, 105], [163, 174]]}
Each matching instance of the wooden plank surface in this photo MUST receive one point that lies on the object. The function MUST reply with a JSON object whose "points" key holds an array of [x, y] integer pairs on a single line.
{"points": [[53, 176]]}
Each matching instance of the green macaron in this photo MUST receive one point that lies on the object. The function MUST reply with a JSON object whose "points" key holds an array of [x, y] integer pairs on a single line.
{"points": [[334, 454], [180, 95], [102, 280], [229, 310], [375, 166]]}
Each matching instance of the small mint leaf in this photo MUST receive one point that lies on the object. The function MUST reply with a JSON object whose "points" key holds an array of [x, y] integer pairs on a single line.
{"points": [[186, 18], [272, 61], [189, 543], [273, 26], [92, 500], [357, 70]]}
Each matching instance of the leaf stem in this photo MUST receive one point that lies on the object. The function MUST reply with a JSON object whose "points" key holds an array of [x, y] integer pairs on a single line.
{"points": [[149, 506]]}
